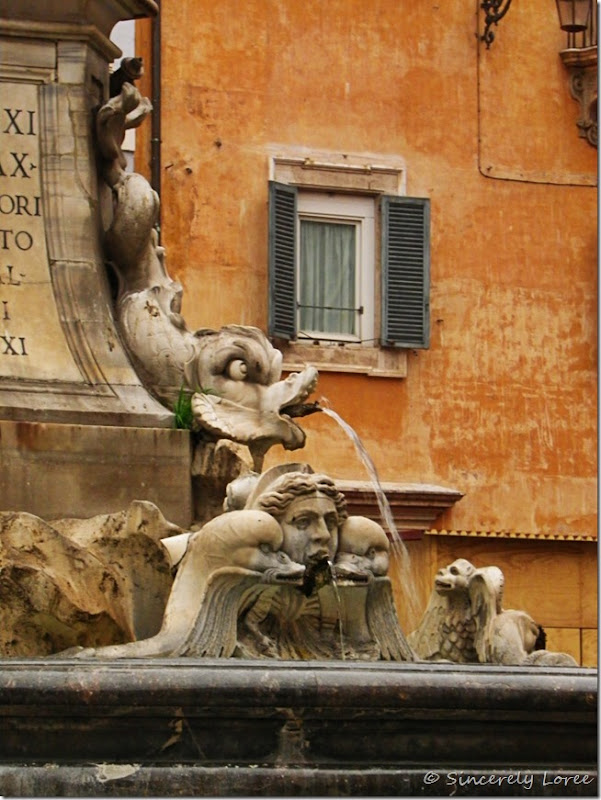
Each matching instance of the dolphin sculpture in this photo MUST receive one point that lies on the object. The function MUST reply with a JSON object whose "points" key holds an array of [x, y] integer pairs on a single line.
{"points": [[225, 564], [233, 375]]}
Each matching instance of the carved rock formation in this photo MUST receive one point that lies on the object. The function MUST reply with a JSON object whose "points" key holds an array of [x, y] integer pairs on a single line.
{"points": [[82, 582]]}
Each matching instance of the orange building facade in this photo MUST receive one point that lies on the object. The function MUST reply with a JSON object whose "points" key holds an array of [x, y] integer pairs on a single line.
{"points": [[404, 99]]}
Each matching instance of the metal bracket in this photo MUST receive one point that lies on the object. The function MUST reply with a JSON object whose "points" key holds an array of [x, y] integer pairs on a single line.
{"points": [[495, 10]]}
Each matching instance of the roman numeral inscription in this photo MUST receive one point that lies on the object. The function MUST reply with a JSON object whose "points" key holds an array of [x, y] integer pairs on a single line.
{"points": [[32, 341], [16, 166], [11, 345], [19, 121]]}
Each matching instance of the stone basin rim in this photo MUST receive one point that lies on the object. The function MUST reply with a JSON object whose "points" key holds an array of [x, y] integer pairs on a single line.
{"points": [[335, 685]]}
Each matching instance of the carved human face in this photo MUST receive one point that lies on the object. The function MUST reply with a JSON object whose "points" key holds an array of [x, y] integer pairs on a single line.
{"points": [[310, 528]]}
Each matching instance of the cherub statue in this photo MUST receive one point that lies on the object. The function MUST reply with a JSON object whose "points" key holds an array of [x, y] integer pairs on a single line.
{"points": [[465, 622]]}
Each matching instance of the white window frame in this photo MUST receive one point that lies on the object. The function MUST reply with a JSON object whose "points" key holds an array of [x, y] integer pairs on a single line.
{"points": [[350, 209], [359, 174]]}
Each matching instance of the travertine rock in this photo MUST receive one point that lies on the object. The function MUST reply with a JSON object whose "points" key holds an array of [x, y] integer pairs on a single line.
{"points": [[81, 582]]}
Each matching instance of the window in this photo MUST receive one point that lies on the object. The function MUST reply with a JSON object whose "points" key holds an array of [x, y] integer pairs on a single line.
{"points": [[347, 269], [334, 267]]}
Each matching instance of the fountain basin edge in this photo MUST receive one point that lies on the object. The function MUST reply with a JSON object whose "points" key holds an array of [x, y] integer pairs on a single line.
{"points": [[203, 727]]}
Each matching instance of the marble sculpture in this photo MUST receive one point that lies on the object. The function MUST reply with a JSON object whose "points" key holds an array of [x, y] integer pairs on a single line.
{"points": [[466, 623], [283, 571], [234, 374], [270, 581]]}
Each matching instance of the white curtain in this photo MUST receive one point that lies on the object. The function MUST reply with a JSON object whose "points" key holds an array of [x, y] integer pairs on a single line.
{"points": [[327, 277]]}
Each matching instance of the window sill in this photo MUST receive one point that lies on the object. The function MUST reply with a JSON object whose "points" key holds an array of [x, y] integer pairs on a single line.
{"points": [[376, 362]]}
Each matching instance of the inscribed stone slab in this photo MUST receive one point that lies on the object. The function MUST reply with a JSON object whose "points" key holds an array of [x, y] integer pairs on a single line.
{"points": [[32, 341]]}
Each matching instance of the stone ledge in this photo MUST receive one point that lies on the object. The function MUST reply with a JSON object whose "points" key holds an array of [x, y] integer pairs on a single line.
{"points": [[580, 57], [414, 506], [190, 780], [58, 470], [376, 362], [190, 727]]}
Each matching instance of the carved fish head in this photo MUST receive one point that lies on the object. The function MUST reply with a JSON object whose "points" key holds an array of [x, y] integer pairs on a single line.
{"points": [[249, 540], [239, 392], [278, 567], [363, 550]]}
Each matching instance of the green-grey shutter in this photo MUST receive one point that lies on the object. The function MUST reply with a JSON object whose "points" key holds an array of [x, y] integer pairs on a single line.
{"points": [[405, 271], [282, 260]]}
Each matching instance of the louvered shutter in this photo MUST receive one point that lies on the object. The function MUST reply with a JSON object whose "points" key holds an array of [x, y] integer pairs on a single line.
{"points": [[282, 260], [405, 271]]}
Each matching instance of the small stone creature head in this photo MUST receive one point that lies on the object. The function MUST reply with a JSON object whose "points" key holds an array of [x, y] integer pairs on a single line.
{"points": [[454, 577]]}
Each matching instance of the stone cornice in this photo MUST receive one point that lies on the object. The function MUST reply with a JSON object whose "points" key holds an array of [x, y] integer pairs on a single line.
{"points": [[414, 506], [74, 20], [61, 31]]}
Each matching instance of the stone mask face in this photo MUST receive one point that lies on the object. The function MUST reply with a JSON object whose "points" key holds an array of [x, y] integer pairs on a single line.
{"points": [[310, 527]]}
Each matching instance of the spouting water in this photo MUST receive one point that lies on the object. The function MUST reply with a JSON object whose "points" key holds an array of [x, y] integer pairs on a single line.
{"points": [[402, 560], [339, 607]]}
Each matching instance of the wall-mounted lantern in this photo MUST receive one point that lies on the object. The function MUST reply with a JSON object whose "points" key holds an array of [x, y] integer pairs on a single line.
{"points": [[573, 15], [578, 18]]}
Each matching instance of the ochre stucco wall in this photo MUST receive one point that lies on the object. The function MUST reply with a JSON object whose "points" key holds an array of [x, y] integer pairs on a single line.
{"points": [[503, 405]]}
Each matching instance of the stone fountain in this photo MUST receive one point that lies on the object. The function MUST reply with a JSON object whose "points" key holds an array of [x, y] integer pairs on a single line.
{"points": [[259, 653]]}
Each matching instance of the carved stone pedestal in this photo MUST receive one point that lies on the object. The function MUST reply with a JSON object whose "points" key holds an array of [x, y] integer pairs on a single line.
{"points": [[80, 433], [53, 470], [61, 359]]}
